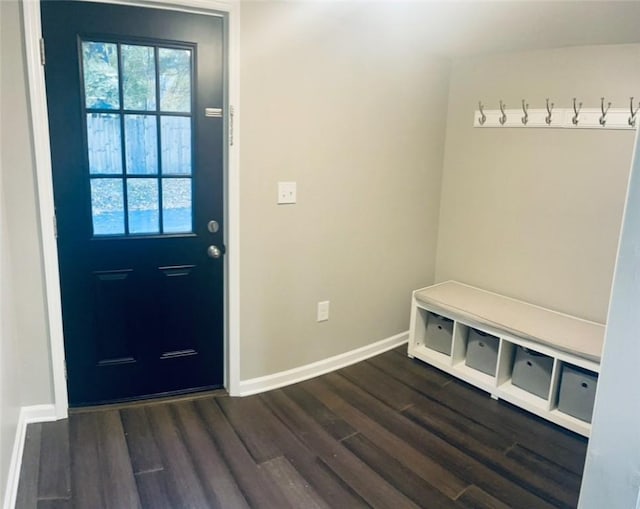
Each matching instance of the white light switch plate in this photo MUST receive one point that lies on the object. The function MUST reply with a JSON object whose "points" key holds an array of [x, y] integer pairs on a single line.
{"points": [[323, 311], [286, 192]]}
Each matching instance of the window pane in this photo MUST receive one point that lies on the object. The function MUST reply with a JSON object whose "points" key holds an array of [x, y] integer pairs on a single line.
{"points": [[141, 142], [107, 206], [176, 145], [103, 140], [175, 79], [100, 67], [142, 195], [176, 205], [138, 77]]}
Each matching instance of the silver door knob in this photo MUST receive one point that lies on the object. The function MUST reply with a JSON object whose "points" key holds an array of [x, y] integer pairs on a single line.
{"points": [[214, 252]]}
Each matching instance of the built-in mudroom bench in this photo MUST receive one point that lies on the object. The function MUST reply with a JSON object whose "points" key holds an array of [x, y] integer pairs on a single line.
{"points": [[540, 360]]}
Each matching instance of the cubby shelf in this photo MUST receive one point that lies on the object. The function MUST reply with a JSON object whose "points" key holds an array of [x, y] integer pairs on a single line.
{"points": [[478, 378], [477, 315], [509, 392]]}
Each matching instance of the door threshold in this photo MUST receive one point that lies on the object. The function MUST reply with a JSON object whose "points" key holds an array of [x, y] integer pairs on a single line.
{"points": [[149, 400]]}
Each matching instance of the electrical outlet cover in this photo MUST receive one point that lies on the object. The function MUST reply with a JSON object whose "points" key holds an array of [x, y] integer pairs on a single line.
{"points": [[286, 192]]}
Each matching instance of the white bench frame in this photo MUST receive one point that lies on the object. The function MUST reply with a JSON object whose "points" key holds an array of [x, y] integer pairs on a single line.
{"points": [[498, 386]]}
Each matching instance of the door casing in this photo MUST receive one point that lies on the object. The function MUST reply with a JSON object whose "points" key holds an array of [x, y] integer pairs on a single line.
{"points": [[40, 128]]}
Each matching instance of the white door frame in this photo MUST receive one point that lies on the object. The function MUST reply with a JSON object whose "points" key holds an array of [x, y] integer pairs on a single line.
{"points": [[40, 129]]}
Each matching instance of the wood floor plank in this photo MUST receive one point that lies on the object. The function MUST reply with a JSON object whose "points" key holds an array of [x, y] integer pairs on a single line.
{"points": [[258, 440], [30, 469], [54, 478], [143, 449], [337, 427], [441, 479], [472, 438], [220, 486], [182, 482], [85, 464], [117, 478], [475, 498], [152, 488], [440, 416], [392, 470], [295, 487], [496, 460], [54, 504], [411, 372], [391, 432], [357, 474], [569, 481], [389, 390], [568, 449], [521, 419], [243, 413], [255, 485], [401, 349], [473, 471], [560, 446]]}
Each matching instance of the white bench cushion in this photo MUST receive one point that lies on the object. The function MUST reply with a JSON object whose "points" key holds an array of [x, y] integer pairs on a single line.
{"points": [[563, 332]]}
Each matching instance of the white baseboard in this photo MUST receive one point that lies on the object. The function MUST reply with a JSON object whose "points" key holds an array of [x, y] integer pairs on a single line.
{"points": [[295, 375], [27, 415]]}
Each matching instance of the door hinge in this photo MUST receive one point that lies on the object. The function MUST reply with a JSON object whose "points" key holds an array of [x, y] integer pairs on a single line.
{"points": [[42, 58], [231, 118], [55, 226]]}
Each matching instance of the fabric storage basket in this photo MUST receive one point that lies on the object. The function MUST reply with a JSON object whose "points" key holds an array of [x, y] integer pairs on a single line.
{"points": [[439, 333], [482, 352], [532, 372], [577, 392]]}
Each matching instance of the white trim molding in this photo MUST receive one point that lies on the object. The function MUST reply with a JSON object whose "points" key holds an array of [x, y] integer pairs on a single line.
{"points": [[44, 180], [299, 374], [232, 206], [28, 415], [40, 129]]}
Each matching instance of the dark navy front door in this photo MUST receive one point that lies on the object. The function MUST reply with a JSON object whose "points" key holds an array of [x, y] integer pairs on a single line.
{"points": [[138, 187]]}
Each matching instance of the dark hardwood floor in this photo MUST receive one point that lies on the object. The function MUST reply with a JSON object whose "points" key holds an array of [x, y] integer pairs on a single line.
{"points": [[386, 433]]}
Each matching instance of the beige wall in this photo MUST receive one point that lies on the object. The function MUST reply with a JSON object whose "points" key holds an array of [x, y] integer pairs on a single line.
{"points": [[25, 372], [22, 214], [533, 213], [7, 416], [356, 119], [613, 458], [9, 391], [9, 358]]}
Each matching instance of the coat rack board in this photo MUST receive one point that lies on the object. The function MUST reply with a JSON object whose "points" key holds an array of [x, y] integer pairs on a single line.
{"points": [[575, 117]]}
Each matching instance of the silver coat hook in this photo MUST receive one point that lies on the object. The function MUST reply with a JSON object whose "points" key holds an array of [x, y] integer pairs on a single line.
{"points": [[483, 117], [525, 107], [632, 118], [576, 112], [547, 119], [503, 117], [603, 118]]}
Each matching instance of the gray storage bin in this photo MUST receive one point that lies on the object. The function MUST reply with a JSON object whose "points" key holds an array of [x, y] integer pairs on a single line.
{"points": [[532, 372], [482, 352], [439, 333], [577, 392]]}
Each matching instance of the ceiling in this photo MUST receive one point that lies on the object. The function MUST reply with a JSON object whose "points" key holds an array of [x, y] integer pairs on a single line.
{"points": [[458, 28]]}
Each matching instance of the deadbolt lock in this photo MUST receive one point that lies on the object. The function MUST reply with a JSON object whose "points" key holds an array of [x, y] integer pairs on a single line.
{"points": [[213, 226]]}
